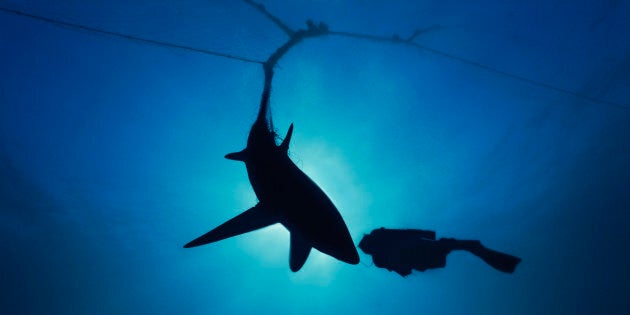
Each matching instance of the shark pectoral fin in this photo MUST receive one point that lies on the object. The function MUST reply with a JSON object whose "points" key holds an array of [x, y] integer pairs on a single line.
{"points": [[298, 253], [255, 218], [284, 146], [237, 156]]}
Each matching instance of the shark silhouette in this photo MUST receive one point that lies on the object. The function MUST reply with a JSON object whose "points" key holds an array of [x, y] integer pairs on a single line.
{"points": [[286, 195]]}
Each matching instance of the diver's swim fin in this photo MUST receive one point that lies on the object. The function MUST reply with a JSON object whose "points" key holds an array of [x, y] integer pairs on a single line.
{"points": [[499, 261]]}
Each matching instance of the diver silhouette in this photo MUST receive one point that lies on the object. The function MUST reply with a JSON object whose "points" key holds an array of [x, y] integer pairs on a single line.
{"points": [[403, 250]]}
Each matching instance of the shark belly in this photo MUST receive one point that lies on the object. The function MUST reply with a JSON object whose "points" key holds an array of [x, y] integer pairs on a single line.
{"points": [[304, 208]]}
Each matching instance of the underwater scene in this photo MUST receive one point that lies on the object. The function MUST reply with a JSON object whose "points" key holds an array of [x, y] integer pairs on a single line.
{"points": [[314, 157]]}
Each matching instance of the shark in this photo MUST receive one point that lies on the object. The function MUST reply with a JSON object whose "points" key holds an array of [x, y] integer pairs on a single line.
{"points": [[286, 195]]}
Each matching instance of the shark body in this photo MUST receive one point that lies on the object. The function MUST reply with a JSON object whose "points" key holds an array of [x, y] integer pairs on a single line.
{"points": [[287, 196]]}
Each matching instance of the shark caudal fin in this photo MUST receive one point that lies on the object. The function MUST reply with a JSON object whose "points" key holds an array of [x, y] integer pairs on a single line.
{"points": [[253, 219], [298, 253]]}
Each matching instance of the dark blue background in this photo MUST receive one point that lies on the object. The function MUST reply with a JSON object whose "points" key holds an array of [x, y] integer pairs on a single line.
{"points": [[111, 155]]}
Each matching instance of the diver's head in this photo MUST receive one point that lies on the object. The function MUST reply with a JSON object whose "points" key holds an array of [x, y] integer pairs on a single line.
{"points": [[367, 244]]}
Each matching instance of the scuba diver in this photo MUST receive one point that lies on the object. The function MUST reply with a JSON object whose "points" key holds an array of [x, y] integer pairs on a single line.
{"points": [[401, 250]]}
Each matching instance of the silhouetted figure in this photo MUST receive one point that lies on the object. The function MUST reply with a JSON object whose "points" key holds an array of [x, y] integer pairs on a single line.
{"points": [[404, 250], [286, 195]]}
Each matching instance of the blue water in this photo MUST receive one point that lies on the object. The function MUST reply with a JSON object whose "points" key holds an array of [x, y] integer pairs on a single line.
{"points": [[111, 155]]}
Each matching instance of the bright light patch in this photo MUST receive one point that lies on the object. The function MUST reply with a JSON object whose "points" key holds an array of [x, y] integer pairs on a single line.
{"points": [[328, 167], [270, 244], [320, 269]]}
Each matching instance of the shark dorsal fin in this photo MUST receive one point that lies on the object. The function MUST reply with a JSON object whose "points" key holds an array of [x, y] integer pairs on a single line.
{"points": [[284, 146]]}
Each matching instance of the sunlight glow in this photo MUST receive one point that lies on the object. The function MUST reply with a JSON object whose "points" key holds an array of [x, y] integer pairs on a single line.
{"points": [[328, 167], [333, 174]]}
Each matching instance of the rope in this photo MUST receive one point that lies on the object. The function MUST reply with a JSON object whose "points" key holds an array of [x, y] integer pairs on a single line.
{"points": [[397, 40], [322, 30], [128, 37]]}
